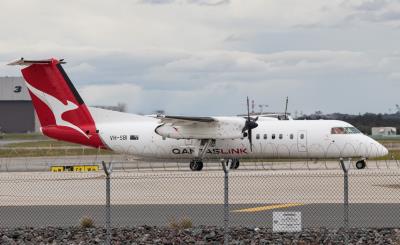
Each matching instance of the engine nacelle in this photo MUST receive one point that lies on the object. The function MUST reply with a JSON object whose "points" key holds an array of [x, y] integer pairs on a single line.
{"points": [[217, 130]]}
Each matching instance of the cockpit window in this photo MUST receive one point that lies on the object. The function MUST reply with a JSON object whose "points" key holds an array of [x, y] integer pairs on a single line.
{"points": [[352, 130], [345, 130], [337, 130]]}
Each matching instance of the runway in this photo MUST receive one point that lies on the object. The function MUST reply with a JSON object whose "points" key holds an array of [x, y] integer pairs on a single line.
{"points": [[155, 197]]}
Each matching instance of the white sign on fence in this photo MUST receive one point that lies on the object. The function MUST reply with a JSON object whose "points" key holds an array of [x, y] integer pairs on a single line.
{"points": [[286, 221]]}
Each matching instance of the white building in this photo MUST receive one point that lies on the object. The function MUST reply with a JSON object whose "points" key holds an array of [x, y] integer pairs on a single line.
{"points": [[383, 131]]}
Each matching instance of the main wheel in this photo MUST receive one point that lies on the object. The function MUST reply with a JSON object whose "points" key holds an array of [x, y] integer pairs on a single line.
{"points": [[199, 165], [237, 164], [196, 165], [192, 167], [361, 164]]}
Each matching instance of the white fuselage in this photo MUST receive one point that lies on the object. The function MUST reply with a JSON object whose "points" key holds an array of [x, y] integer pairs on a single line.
{"points": [[135, 135]]}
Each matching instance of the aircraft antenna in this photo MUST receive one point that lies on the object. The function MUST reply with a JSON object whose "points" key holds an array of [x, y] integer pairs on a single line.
{"points": [[287, 102]]}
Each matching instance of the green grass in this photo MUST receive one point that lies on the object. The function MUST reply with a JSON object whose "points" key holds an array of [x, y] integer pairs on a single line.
{"points": [[388, 141], [51, 152], [24, 136], [392, 153], [44, 143]]}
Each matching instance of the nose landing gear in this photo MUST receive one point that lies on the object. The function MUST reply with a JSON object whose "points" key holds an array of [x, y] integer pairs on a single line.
{"points": [[361, 164]]}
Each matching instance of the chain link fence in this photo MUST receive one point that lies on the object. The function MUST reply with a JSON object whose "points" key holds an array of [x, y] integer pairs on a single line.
{"points": [[158, 197], [167, 193]]}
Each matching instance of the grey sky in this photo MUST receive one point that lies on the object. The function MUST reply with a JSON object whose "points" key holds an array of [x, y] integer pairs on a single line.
{"points": [[203, 57]]}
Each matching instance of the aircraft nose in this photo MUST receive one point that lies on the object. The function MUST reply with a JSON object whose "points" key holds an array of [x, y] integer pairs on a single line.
{"points": [[382, 150], [377, 149]]}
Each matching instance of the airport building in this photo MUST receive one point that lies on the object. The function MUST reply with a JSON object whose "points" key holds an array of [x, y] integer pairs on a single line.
{"points": [[16, 110], [383, 131]]}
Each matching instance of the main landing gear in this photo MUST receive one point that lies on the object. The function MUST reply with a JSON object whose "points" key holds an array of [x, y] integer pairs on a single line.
{"points": [[196, 165], [361, 164], [235, 163]]}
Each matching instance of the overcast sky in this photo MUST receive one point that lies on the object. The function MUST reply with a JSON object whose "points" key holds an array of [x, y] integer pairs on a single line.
{"points": [[203, 57]]}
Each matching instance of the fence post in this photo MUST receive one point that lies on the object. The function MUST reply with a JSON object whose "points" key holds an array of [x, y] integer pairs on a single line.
{"points": [[345, 168], [226, 166], [108, 171]]}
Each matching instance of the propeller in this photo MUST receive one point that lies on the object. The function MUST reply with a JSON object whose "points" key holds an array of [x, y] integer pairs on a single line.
{"points": [[249, 125]]}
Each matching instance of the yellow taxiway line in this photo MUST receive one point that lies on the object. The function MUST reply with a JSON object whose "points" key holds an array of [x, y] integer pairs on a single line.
{"points": [[268, 207]]}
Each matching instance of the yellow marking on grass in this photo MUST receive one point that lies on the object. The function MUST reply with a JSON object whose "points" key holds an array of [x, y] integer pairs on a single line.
{"points": [[268, 207]]}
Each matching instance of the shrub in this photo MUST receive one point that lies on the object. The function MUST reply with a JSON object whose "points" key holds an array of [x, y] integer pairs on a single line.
{"points": [[184, 223], [87, 222]]}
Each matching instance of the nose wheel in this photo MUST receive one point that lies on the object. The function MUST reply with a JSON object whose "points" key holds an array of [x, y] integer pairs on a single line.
{"points": [[196, 165], [235, 163], [361, 164]]}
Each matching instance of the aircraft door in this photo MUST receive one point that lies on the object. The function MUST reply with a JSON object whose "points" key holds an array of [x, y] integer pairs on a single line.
{"points": [[302, 141]]}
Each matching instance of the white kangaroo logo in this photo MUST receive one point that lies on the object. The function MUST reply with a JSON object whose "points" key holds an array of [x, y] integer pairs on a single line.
{"points": [[57, 107]]}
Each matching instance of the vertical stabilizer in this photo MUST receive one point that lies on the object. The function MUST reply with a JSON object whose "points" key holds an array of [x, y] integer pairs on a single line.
{"points": [[61, 111]]}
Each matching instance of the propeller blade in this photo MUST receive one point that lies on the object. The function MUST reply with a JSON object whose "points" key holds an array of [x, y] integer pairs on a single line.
{"points": [[249, 125], [250, 140], [248, 109], [244, 129]]}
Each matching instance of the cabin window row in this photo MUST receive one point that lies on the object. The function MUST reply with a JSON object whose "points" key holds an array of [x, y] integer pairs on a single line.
{"points": [[280, 136]]}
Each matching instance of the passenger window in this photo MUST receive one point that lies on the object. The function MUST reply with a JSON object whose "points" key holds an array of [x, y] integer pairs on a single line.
{"points": [[265, 136], [280, 136], [301, 136], [258, 136], [273, 136], [291, 136], [134, 137]]}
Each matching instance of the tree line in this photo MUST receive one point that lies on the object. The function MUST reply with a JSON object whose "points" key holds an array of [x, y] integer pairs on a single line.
{"points": [[364, 122]]}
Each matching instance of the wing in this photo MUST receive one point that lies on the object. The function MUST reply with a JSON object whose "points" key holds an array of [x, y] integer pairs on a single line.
{"points": [[179, 127], [185, 121]]}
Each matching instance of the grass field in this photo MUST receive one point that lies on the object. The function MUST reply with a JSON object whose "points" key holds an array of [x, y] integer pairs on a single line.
{"points": [[42, 143], [51, 152], [44, 146], [27, 136]]}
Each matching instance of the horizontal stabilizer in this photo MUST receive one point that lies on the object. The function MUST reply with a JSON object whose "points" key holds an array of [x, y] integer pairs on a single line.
{"points": [[23, 62]]}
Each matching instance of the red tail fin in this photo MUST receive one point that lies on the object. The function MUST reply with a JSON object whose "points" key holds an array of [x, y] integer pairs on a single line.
{"points": [[62, 113]]}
